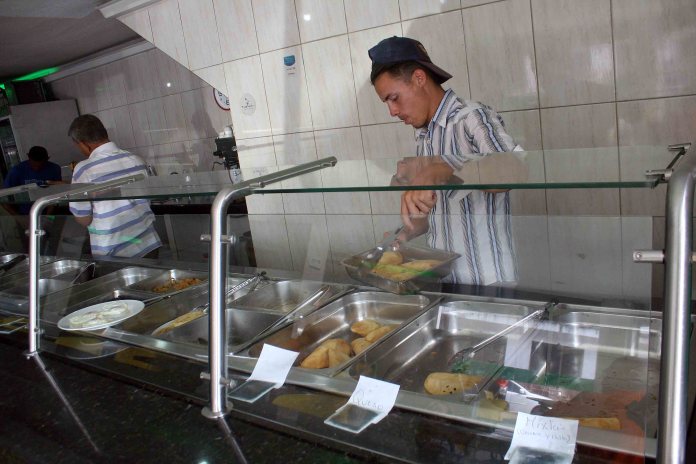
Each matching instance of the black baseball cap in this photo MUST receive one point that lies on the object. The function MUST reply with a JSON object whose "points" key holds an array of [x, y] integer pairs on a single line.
{"points": [[37, 153], [396, 50]]}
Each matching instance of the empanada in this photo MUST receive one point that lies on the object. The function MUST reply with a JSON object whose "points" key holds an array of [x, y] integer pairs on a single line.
{"points": [[379, 333], [391, 257], [317, 359], [359, 345], [337, 344], [421, 264], [444, 383], [337, 357], [364, 327]]}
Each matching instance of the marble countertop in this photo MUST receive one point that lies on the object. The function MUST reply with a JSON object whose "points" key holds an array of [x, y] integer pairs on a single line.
{"points": [[140, 406]]}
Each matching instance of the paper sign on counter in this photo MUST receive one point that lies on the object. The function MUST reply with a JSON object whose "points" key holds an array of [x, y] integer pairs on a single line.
{"points": [[273, 365], [370, 402], [270, 372], [551, 436]]}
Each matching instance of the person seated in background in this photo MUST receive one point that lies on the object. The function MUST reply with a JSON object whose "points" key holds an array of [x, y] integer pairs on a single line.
{"points": [[35, 170], [117, 228]]}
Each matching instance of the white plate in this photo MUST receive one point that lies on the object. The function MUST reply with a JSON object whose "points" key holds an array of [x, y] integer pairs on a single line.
{"points": [[102, 320]]}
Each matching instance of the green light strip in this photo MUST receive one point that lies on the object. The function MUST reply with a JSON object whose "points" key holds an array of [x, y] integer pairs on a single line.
{"points": [[37, 74]]}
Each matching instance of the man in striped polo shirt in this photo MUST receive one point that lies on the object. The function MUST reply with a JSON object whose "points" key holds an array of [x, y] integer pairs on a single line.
{"points": [[117, 228], [475, 223]]}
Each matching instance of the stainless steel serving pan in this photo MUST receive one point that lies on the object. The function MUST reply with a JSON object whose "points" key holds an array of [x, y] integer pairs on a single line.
{"points": [[103, 288], [242, 326], [284, 296], [20, 267], [53, 277], [425, 345], [161, 312], [64, 269], [577, 349], [163, 277], [356, 268], [335, 319]]}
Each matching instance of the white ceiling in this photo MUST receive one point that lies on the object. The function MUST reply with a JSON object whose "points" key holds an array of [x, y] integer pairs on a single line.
{"points": [[37, 34]]}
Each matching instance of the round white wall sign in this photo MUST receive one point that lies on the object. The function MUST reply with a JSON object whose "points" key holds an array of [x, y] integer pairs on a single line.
{"points": [[248, 104], [221, 99]]}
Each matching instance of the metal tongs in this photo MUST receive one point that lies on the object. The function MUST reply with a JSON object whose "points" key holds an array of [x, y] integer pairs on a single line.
{"points": [[253, 282], [468, 353], [373, 256], [203, 308], [305, 307], [82, 273]]}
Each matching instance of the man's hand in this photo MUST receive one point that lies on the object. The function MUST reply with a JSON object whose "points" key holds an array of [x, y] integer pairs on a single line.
{"points": [[417, 204], [415, 207]]}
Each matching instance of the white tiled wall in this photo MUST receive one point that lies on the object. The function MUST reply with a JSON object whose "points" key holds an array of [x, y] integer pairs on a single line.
{"points": [[153, 106], [563, 73]]}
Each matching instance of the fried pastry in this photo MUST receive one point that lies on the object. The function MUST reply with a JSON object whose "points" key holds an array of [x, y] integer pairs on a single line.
{"points": [[317, 359], [359, 345], [379, 333], [337, 357], [444, 383], [337, 344], [364, 327], [391, 257], [421, 264]]}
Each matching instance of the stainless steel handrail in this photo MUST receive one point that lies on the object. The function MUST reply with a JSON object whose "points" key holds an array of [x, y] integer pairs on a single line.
{"points": [[217, 347], [676, 327], [35, 236], [18, 189]]}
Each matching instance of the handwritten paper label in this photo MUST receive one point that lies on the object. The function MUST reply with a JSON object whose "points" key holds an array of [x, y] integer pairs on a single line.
{"points": [[551, 435], [273, 365], [370, 402], [374, 395]]}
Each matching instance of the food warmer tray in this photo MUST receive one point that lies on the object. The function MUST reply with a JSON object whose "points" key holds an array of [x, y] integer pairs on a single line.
{"points": [[335, 319], [284, 296], [582, 360], [358, 271]]}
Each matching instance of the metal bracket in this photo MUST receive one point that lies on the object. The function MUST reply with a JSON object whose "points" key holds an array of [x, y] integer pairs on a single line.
{"points": [[223, 380], [223, 238], [665, 174], [648, 256], [654, 256]]}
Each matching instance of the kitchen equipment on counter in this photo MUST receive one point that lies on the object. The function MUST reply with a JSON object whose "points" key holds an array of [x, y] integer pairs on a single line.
{"points": [[202, 309], [356, 268], [53, 277], [334, 321], [22, 266], [425, 345], [469, 352], [390, 242], [170, 281], [161, 313], [101, 315], [285, 295], [304, 308], [7, 265]]}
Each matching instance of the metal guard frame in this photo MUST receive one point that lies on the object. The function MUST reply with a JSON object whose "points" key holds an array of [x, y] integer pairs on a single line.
{"points": [[676, 326], [217, 346], [35, 236]]}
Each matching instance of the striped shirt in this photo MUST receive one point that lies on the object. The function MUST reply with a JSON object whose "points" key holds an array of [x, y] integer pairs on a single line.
{"points": [[473, 223], [119, 228]]}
